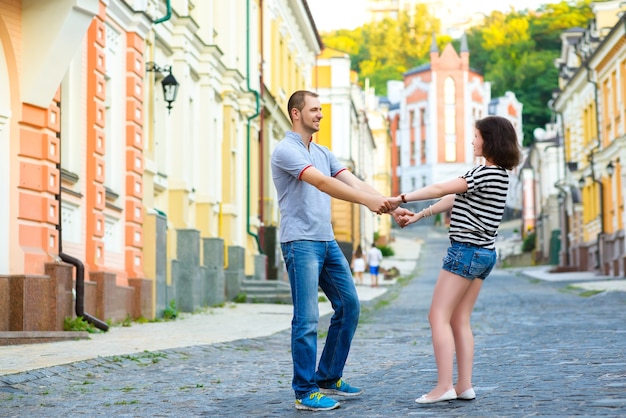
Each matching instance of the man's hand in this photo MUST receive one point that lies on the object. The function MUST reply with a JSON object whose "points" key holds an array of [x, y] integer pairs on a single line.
{"points": [[377, 204]]}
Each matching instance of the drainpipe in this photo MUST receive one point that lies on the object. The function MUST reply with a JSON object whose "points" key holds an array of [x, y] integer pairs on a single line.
{"points": [[168, 13], [599, 238], [261, 130], [256, 94], [80, 289], [80, 270], [564, 191]]}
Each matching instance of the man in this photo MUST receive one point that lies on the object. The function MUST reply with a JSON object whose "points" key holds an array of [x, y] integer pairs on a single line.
{"points": [[374, 257], [306, 175]]}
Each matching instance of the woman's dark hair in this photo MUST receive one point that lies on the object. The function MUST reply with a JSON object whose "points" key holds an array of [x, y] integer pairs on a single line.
{"points": [[296, 101], [359, 252], [500, 144]]}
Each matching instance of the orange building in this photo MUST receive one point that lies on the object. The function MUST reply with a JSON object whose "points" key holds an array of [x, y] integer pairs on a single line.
{"points": [[71, 121], [431, 117]]}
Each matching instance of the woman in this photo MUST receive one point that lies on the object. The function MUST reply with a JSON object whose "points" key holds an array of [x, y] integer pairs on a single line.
{"points": [[358, 265], [477, 200]]}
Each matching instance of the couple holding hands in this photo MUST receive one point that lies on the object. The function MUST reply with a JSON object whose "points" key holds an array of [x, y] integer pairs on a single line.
{"points": [[306, 175]]}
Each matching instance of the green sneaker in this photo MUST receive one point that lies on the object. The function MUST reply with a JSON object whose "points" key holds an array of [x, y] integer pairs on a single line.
{"points": [[316, 401], [341, 388]]}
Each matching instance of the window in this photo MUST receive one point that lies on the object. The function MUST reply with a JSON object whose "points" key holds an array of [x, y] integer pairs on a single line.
{"points": [[449, 93]]}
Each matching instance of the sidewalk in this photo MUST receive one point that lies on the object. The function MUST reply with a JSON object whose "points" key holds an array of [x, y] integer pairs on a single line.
{"points": [[228, 323], [586, 280]]}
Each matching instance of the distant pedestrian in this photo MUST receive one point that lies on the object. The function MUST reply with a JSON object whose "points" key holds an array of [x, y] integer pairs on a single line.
{"points": [[358, 264], [477, 200], [306, 175], [374, 257]]}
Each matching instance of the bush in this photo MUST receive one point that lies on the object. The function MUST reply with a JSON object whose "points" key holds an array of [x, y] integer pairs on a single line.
{"points": [[241, 298], [386, 250], [170, 312], [529, 243], [78, 324]]}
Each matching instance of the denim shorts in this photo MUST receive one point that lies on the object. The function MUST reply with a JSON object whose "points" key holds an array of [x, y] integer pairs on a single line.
{"points": [[469, 261]]}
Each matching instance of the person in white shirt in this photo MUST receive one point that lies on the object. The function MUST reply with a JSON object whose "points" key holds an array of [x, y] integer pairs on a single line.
{"points": [[374, 257]]}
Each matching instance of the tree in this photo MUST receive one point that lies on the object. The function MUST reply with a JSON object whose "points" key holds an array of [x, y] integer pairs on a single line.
{"points": [[383, 51], [514, 51]]}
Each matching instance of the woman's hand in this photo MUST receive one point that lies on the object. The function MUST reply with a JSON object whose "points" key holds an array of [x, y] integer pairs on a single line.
{"points": [[399, 214]]}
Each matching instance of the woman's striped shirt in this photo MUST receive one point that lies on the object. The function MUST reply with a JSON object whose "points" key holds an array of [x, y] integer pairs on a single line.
{"points": [[477, 213]]}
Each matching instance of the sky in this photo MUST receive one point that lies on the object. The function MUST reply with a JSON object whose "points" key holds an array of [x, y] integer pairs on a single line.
{"points": [[349, 14]]}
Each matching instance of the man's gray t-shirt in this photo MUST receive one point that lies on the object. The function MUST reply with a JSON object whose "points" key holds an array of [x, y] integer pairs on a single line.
{"points": [[304, 210]]}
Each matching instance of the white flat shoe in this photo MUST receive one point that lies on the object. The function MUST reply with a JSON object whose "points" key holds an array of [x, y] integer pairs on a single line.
{"points": [[448, 396], [467, 395]]}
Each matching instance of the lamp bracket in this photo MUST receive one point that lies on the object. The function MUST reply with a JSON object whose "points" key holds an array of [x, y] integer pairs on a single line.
{"points": [[152, 66]]}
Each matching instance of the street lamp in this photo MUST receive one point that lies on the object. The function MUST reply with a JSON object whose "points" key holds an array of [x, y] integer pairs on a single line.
{"points": [[581, 182], [169, 83], [610, 168]]}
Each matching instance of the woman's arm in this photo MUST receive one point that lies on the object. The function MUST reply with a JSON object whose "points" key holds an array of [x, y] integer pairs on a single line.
{"points": [[437, 190], [443, 205]]}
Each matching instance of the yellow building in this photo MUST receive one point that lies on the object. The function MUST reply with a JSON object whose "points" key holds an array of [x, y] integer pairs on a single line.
{"points": [[207, 164], [590, 108], [346, 130]]}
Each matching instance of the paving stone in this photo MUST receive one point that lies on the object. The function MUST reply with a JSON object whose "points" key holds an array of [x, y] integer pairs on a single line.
{"points": [[541, 350]]}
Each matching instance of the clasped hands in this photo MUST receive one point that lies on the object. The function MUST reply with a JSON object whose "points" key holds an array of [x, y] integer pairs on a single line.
{"points": [[391, 205]]}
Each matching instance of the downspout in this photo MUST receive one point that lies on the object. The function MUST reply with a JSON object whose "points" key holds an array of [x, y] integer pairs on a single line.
{"points": [[168, 13], [593, 174], [256, 94], [80, 269], [261, 131], [565, 235]]}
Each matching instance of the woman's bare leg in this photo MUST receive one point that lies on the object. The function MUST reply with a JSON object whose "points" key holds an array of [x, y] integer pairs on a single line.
{"points": [[463, 336], [449, 291]]}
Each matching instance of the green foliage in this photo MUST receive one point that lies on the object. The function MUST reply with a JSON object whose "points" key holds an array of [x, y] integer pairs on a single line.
{"points": [[127, 322], [386, 250], [240, 298], [514, 51], [384, 50], [170, 312], [528, 244], [78, 324]]}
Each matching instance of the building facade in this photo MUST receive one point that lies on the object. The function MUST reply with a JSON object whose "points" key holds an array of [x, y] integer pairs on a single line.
{"points": [[590, 111], [136, 199], [431, 117], [346, 131]]}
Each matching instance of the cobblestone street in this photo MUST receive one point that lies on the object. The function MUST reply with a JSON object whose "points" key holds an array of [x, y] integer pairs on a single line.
{"points": [[542, 349]]}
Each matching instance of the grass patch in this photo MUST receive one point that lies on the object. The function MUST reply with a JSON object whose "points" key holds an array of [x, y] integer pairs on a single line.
{"points": [[171, 311], [570, 288], [588, 293], [79, 324], [240, 298]]}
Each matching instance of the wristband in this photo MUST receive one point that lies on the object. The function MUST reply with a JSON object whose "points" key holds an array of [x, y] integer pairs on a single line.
{"points": [[403, 197]]}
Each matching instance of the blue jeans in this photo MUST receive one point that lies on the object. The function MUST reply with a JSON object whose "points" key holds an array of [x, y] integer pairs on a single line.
{"points": [[469, 261], [313, 264]]}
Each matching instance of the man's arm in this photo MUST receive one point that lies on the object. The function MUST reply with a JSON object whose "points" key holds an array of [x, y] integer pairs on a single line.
{"points": [[353, 181], [341, 190], [356, 183]]}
